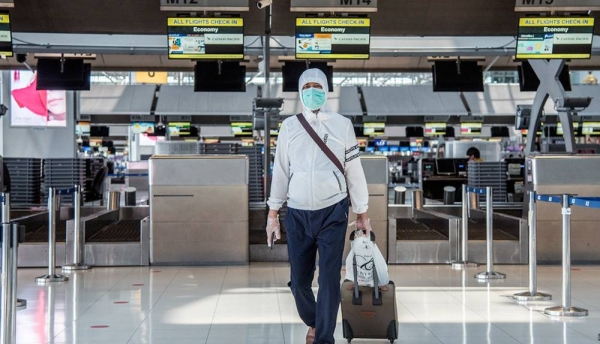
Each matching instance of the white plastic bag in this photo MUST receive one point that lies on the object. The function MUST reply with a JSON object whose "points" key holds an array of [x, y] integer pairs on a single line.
{"points": [[367, 256]]}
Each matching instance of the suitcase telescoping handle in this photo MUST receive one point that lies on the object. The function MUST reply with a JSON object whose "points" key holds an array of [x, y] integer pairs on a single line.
{"points": [[357, 299]]}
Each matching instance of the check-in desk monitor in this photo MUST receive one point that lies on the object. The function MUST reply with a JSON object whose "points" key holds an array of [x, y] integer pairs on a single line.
{"points": [[436, 174], [445, 167], [515, 179], [461, 166]]}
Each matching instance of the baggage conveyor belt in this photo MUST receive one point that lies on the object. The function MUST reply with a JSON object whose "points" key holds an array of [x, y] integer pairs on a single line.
{"points": [[477, 231], [437, 229], [421, 229], [121, 231], [41, 233]]}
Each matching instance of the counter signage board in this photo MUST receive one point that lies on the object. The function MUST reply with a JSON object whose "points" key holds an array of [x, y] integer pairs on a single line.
{"points": [[206, 38], [555, 38], [204, 5], [470, 128], [560, 131], [590, 128], [556, 5], [435, 129], [333, 38], [344, 6], [373, 129], [5, 35]]}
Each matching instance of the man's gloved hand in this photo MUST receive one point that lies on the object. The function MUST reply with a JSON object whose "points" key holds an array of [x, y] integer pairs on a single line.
{"points": [[363, 222], [273, 228]]}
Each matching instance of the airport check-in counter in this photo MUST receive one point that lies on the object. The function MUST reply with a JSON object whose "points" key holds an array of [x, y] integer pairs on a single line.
{"points": [[199, 209], [422, 236], [34, 251], [431, 235], [511, 238], [118, 237], [565, 174], [376, 173]]}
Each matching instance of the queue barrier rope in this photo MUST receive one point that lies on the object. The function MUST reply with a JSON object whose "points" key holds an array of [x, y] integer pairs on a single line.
{"points": [[66, 191], [586, 202], [479, 191], [549, 198]]}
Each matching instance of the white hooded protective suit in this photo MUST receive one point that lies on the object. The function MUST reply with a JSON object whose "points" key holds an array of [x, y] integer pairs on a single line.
{"points": [[302, 174]]}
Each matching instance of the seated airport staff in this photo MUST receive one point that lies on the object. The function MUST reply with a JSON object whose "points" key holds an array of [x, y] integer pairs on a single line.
{"points": [[474, 154], [316, 192]]}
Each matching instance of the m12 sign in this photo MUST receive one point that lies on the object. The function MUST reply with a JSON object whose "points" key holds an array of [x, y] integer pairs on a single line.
{"points": [[205, 5]]}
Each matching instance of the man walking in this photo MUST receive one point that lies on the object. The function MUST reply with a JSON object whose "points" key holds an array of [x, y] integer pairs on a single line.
{"points": [[315, 178]]}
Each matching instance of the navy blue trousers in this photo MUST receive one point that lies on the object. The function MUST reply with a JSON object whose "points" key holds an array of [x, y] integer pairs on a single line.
{"points": [[309, 232]]}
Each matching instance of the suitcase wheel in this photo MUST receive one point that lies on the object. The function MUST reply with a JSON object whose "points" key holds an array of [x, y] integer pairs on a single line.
{"points": [[392, 332], [347, 329]]}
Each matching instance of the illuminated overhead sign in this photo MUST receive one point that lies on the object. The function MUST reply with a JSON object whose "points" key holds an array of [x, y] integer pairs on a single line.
{"points": [[5, 35], [206, 38], [344, 6], [333, 38], [204, 5], [556, 5], [555, 38]]}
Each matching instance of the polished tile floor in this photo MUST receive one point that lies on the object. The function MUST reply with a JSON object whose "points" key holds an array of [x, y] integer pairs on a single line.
{"points": [[252, 304]]}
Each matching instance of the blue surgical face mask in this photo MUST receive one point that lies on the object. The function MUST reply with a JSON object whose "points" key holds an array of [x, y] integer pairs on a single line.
{"points": [[313, 98]]}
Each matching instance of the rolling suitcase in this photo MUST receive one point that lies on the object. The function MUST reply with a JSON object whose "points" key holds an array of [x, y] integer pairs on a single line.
{"points": [[369, 312]]}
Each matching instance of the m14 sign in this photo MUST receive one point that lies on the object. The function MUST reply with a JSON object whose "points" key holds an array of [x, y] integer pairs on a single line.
{"points": [[556, 5], [358, 6]]}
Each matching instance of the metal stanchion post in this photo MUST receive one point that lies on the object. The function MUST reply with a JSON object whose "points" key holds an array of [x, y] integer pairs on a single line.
{"points": [[464, 237], [53, 211], [78, 245], [532, 294], [21, 304], [16, 304], [489, 224], [399, 195], [566, 310], [416, 201]]}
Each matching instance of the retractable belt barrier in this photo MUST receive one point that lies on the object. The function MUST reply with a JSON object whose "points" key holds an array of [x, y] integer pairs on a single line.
{"points": [[128, 175], [479, 191], [463, 261], [586, 202], [566, 201], [66, 191], [53, 212]]}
